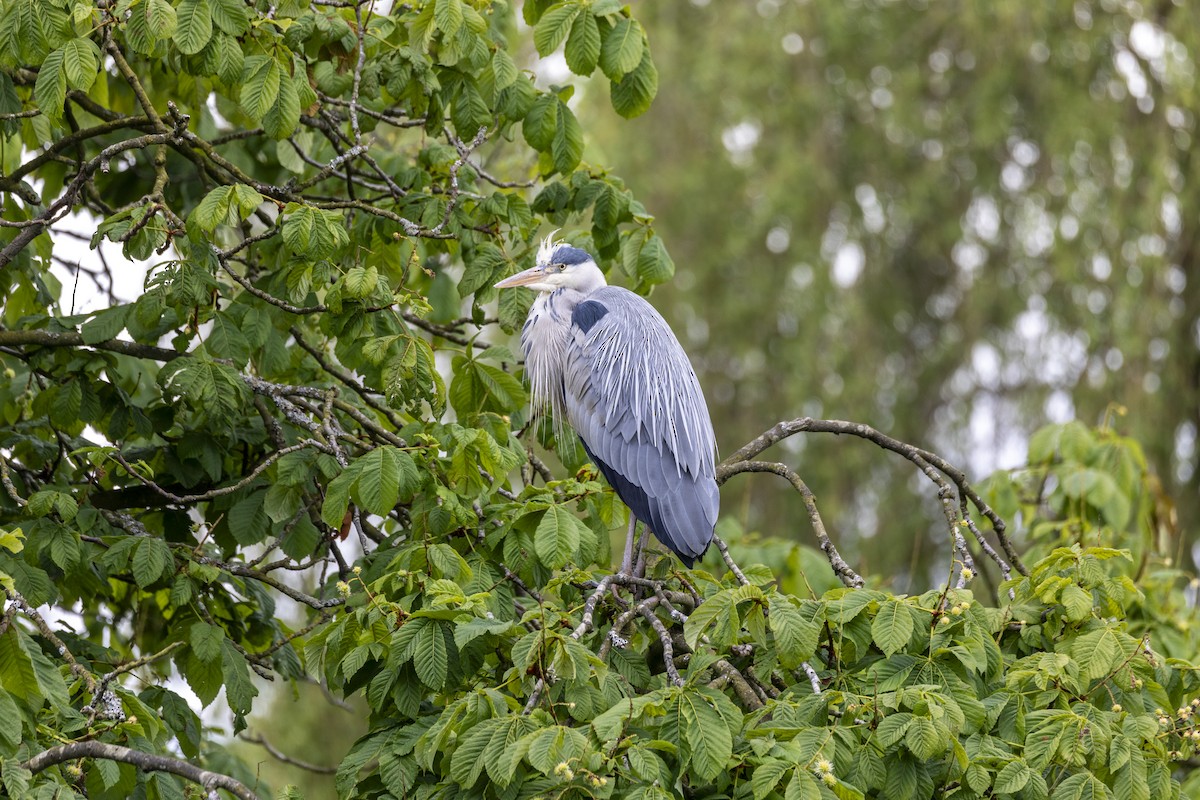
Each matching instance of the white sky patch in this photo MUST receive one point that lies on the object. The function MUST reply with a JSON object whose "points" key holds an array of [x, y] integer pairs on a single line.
{"points": [[983, 219], [552, 69], [128, 276], [848, 264], [792, 43], [1131, 70], [740, 140], [778, 239]]}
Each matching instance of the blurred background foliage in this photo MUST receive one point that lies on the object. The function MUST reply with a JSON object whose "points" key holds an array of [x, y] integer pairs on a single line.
{"points": [[954, 221]]}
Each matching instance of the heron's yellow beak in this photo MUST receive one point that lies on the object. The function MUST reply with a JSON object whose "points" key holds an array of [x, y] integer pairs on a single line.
{"points": [[531, 275]]}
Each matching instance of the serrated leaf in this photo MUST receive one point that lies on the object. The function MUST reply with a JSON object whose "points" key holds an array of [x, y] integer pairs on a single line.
{"points": [[719, 609], [448, 16], [430, 655], [161, 20], [50, 89], [554, 26], [240, 690], [194, 26], [633, 93], [567, 146], [337, 498], [105, 325], [231, 16], [892, 627], [149, 560], [795, 635], [923, 739], [231, 62], [621, 49], [767, 776], [541, 123], [81, 63], [583, 45], [378, 486], [1077, 602], [504, 70], [282, 119], [706, 735], [207, 641], [557, 537], [1012, 778], [654, 264], [226, 340], [260, 88], [802, 786]]}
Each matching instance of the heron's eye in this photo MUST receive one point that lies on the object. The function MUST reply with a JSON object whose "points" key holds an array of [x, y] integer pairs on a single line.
{"points": [[560, 267]]}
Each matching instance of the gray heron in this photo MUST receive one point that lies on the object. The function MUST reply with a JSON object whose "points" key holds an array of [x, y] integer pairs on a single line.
{"points": [[602, 358]]}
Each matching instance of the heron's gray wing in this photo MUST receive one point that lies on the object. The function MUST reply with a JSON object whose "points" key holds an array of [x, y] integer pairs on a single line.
{"points": [[634, 400]]}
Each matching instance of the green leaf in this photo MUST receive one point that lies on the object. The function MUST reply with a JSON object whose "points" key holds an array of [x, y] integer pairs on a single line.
{"points": [[767, 776], [207, 641], [448, 15], [633, 93], [430, 655], [557, 537], [1077, 602], [504, 70], [282, 119], [248, 521], [50, 90], [541, 123], [621, 49], [487, 265], [467, 762], [16, 671], [892, 627], [549, 747], [718, 608], [583, 45], [150, 559], [194, 27], [378, 485], [213, 209], [231, 61], [260, 89], [240, 690], [81, 62], [795, 635], [337, 497], [802, 786], [707, 736], [1013, 777], [554, 26], [10, 733], [226, 340], [567, 146], [161, 20], [105, 325], [654, 265], [924, 740], [231, 16]]}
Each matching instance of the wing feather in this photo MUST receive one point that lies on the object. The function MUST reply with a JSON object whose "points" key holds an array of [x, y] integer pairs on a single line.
{"points": [[631, 394]]}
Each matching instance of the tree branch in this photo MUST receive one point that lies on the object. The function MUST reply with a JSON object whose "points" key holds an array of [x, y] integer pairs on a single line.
{"points": [[149, 762], [843, 570]]}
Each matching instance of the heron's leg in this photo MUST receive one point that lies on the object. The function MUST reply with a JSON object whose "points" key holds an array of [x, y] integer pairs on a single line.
{"points": [[627, 560]]}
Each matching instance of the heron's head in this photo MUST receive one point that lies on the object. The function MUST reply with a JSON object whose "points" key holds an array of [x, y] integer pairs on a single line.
{"points": [[559, 265]]}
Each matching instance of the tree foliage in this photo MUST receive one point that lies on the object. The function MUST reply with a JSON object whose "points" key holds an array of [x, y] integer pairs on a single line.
{"points": [[298, 415]]}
